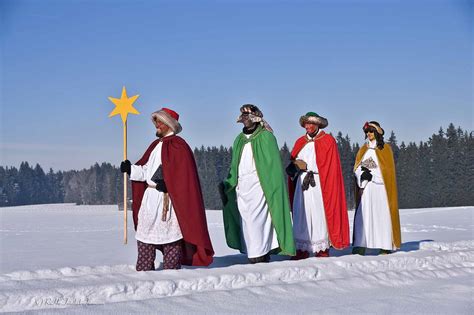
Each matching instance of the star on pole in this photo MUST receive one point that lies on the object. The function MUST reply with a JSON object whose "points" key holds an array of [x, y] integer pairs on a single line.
{"points": [[124, 105]]}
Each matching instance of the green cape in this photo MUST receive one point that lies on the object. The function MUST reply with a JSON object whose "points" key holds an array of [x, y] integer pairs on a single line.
{"points": [[270, 172]]}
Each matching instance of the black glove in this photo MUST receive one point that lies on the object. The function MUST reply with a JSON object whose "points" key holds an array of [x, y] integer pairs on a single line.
{"points": [[221, 188], [291, 170], [295, 167], [126, 167], [366, 175], [158, 179], [308, 180], [161, 186]]}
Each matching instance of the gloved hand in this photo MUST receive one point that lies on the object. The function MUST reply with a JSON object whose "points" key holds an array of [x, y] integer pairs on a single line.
{"points": [[296, 167], [161, 186], [221, 188], [308, 180], [301, 165], [366, 175], [126, 167], [291, 170]]}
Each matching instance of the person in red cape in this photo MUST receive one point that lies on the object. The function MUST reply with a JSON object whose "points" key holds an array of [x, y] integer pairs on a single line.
{"points": [[316, 188], [168, 208]]}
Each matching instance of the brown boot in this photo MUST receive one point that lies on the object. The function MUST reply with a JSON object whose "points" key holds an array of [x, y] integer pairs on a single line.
{"points": [[300, 254], [322, 253]]}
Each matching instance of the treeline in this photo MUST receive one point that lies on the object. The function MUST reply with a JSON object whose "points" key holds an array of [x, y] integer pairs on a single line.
{"points": [[435, 173], [100, 184]]}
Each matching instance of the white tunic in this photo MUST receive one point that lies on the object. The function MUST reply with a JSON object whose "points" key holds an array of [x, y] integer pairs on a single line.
{"points": [[309, 219], [372, 223], [151, 229], [258, 233]]}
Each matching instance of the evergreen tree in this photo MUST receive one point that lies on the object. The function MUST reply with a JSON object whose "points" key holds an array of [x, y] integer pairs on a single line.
{"points": [[438, 168], [408, 175], [11, 187], [25, 184], [39, 185], [4, 182], [347, 158], [351, 193], [468, 166], [206, 161], [454, 154], [285, 156], [392, 140], [72, 190], [423, 165]]}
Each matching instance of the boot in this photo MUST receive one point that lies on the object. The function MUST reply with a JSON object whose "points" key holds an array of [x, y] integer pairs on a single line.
{"points": [[322, 253], [358, 251], [300, 254], [265, 258]]}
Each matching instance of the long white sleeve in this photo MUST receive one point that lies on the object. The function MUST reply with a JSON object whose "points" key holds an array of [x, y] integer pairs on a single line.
{"points": [[377, 176], [138, 172]]}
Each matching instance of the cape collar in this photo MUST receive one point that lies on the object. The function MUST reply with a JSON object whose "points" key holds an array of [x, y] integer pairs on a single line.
{"points": [[372, 144], [167, 137], [255, 134], [318, 136]]}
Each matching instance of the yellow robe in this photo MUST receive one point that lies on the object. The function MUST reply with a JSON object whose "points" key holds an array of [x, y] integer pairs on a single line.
{"points": [[387, 166]]}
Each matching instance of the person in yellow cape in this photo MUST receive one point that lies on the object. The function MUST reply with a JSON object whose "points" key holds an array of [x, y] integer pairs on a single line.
{"points": [[376, 220]]}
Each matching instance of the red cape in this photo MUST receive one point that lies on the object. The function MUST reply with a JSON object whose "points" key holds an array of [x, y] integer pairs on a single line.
{"points": [[332, 186], [182, 181]]}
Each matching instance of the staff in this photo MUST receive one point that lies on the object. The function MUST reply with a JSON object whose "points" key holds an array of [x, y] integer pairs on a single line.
{"points": [[123, 106]]}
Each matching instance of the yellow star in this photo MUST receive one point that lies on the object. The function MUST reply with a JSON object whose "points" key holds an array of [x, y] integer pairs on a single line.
{"points": [[123, 106]]}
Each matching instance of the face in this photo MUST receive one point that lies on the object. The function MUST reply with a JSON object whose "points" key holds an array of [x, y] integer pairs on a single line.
{"points": [[161, 128], [246, 121], [311, 128], [370, 135]]}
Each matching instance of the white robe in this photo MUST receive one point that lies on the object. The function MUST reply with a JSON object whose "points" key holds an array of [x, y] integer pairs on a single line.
{"points": [[258, 233], [151, 229], [309, 219], [372, 223]]}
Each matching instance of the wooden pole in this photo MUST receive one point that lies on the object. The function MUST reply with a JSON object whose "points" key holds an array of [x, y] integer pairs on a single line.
{"points": [[123, 106], [125, 184]]}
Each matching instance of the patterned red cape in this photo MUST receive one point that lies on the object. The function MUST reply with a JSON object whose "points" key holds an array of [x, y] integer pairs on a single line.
{"points": [[332, 186], [182, 181]]}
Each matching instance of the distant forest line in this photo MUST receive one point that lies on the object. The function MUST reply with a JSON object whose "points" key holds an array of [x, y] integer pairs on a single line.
{"points": [[435, 173]]}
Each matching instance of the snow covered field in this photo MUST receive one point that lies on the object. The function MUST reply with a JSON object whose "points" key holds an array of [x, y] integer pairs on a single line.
{"points": [[70, 259]]}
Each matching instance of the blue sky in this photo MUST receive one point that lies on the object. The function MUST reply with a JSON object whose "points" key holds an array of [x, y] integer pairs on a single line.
{"points": [[406, 64]]}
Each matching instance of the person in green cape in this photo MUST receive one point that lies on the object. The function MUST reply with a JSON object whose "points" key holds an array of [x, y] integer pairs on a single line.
{"points": [[257, 217]]}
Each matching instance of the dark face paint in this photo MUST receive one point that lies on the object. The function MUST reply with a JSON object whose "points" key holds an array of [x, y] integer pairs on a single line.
{"points": [[311, 129], [246, 121]]}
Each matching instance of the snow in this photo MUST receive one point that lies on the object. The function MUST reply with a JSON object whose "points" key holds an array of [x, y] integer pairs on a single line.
{"points": [[70, 259]]}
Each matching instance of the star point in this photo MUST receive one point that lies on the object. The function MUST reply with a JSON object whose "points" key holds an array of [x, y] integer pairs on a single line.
{"points": [[124, 105]]}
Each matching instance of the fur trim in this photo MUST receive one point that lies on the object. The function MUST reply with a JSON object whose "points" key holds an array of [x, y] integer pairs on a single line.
{"points": [[253, 113], [374, 125], [163, 116], [314, 118], [252, 117]]}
